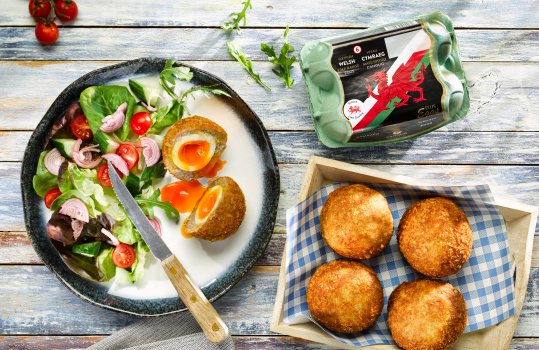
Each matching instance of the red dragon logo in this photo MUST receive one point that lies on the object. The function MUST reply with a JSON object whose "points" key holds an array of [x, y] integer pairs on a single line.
{"points": [[400, 87], [354, 109]]}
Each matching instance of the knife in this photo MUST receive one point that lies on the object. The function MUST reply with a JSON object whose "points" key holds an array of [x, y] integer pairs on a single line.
{"points": [[209, 320]]}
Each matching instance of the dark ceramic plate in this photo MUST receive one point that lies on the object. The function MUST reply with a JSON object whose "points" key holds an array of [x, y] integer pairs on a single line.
{"points": [[95, 292]]}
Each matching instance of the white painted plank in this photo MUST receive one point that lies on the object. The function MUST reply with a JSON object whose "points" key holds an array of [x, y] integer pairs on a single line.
{"points": [[210, 43], [304, 13], [503, 96]]}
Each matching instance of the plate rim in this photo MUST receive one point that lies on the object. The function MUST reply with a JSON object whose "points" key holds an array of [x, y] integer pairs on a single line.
{"points": [[39, 140]]}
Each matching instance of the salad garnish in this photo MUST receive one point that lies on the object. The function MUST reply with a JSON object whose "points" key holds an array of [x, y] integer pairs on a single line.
{"points": [[88, 225], [237, 18]]}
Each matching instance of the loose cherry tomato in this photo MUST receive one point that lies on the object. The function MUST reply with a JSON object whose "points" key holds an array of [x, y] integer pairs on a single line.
{"points": [[103, 175], [80, 128], [141, 123], [51, 195], [129, 153], [39, 8], [123, 255], [66, 10], [46, 32]]}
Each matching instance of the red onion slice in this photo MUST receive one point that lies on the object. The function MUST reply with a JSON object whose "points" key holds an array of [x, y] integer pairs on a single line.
{"points": [[118, 162], [148, 107], [77, 226], [76, 209], [115, 120], [150, 150], [112, 238], [156, 225], [83, 157], [53, 161]]}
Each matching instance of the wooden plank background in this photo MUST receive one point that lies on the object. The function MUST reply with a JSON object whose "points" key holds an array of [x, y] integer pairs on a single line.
{"points": [[496, 143]]}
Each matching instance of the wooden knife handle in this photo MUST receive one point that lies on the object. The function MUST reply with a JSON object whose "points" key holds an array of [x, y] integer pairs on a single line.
{"points": [[213, 326]]}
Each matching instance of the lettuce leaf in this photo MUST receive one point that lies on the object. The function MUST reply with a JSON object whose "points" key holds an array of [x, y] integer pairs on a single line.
{"points": [[99, 101], [92, 210], [125, 232], [105, 266], [43, 181]]}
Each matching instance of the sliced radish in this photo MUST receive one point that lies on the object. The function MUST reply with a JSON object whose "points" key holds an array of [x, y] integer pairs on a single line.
{"points": [[76, 209], [118, 162]]}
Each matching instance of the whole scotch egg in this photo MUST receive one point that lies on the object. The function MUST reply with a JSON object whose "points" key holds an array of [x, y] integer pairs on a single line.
{"points": [[192, 146]]}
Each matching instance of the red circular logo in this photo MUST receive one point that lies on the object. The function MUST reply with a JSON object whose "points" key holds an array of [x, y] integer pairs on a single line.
{"points": [[357, 49]]}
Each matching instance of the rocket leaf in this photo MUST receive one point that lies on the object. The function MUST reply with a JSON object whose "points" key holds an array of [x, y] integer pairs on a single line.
{"points": [[283, 61]]}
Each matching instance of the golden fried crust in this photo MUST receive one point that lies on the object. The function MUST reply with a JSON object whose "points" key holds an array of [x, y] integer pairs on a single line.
{"points": [[356, 222], [226, 218], [345, 296], [426, 315], [435, 237], [187, 126]]}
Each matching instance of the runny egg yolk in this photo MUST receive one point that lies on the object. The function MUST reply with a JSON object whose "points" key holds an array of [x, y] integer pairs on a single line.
{"points": [[183, 195], [195, 153], [208, 203]]}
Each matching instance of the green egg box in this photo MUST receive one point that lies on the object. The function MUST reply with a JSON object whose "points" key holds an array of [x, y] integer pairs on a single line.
{"points": [[327, 95]]}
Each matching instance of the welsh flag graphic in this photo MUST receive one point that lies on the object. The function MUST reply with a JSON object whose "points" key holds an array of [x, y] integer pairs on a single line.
{"points": [[399, 86]]}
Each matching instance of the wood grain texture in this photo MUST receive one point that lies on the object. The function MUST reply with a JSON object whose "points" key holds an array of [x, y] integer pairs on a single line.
{"points": [[246, 308], [502, 94], [209, 44], [318, 13], [520, 183], [202, 310], [58, 311], [22, 342]]}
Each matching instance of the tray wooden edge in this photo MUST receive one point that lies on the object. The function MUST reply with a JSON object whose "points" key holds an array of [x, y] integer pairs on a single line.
{"points": [[321, 170]]}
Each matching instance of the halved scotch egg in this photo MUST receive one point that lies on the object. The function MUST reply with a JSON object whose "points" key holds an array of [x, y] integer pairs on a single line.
{"points": [[219, 212], [192, 146]]}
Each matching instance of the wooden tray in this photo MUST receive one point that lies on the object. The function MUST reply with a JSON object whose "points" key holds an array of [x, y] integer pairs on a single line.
{"points": [[520, 220]]}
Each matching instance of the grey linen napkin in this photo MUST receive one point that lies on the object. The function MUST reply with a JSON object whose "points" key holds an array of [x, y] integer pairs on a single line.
{"points": [[170, 332]]}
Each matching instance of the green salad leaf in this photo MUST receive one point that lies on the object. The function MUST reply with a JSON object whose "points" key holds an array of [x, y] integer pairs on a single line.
{"points": [[282, 61], [237, 18], [99, 101], [105, 265], [149, 198], [43, 180], [237, 53], [167, 115], [125, 232]]}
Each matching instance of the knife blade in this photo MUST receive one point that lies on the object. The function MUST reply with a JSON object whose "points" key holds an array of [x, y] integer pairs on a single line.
{"points": [[207, 317], [157, 246]]}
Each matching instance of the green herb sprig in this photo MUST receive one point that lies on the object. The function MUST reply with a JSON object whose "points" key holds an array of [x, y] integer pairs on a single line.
{"points": [[237, 18], [283, 61], [237, 53], [174, 111]]}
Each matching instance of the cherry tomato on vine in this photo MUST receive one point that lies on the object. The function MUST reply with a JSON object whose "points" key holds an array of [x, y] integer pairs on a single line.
{"points": [[39, 8], [129, 153], [140, 123], [66, 10], [46, 32], [123, 255], [51, 195], [80, 128]]}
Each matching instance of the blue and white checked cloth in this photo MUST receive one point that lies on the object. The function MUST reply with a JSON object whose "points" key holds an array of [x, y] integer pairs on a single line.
{"points": [[485, 281]]}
